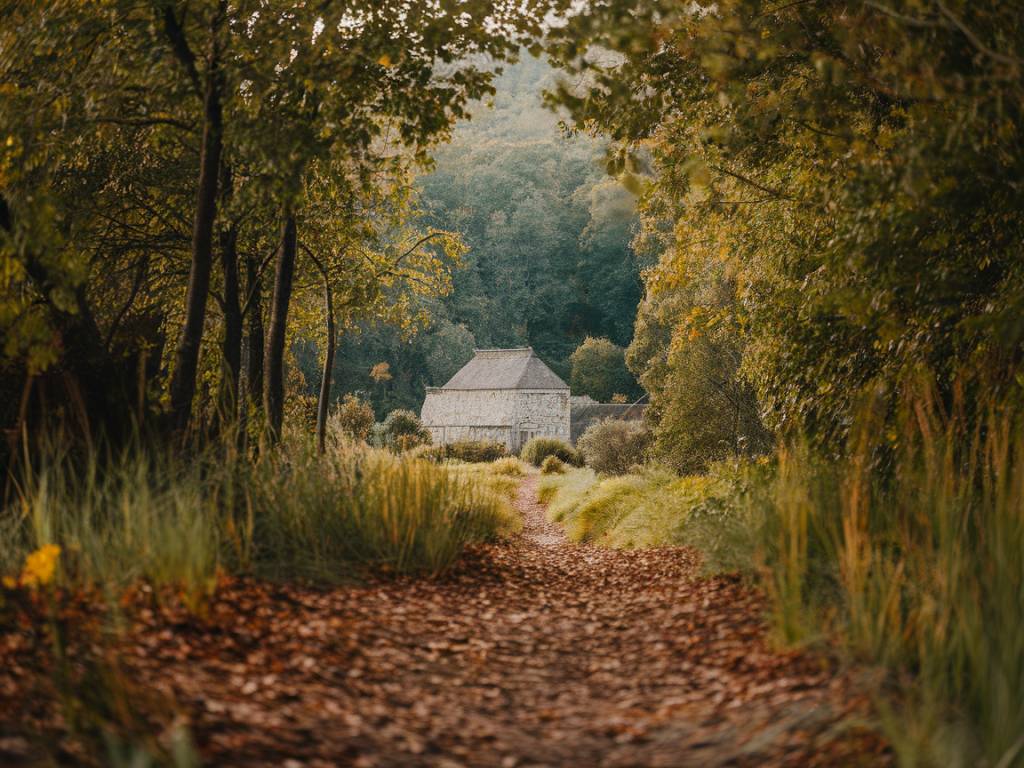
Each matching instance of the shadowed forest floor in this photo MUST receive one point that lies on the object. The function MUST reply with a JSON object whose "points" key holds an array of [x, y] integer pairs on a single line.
{"points": [[533, 653]]}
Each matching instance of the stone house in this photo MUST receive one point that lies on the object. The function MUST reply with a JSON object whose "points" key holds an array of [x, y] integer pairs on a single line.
{"points": [[504, 395]]}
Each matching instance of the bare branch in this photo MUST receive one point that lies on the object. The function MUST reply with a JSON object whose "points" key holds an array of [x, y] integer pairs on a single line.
{"points": [[974, 40], [179, 44]]}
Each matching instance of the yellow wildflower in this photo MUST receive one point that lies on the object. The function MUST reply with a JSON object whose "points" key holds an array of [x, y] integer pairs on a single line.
{"points": [[40, 566], [384, 61]]}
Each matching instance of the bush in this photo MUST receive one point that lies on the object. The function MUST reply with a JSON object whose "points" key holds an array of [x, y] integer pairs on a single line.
{"points": [[614, 446], [552, 465], [403, 430], [353, 418], [539, 448], [472, 451], [476, 450], [509, 465]]}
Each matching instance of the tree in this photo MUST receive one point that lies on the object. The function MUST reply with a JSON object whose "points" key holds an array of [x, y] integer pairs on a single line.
{"points": [[811, 151], [354, 417], [174, 130], [689, 351], [599, 370], [404, 431], [549, 258], [208, 84]]}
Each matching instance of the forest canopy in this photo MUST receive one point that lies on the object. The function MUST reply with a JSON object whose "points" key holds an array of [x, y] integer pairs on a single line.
{"points": [[832, 190]]}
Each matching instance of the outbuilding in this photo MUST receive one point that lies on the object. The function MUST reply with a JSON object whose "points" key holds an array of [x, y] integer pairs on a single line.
{"points": [[504, 395]]}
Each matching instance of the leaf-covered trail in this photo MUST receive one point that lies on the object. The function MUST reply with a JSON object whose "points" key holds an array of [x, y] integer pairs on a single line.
{"points": [[535, 653]]}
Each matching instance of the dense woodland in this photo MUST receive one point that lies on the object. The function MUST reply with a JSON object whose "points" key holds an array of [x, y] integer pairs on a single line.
{"points": [[238, 238], [549, 260]]}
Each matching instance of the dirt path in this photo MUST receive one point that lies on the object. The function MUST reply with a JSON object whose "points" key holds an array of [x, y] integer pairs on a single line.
{"points": [[536, 653]]}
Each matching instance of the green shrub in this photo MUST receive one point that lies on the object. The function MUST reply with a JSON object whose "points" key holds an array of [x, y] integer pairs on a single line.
{"points": [[552, 465], [353, 418], [599, 370], [613, 446], [402, 430], [476, 450], [466, 450], [539, 448]]}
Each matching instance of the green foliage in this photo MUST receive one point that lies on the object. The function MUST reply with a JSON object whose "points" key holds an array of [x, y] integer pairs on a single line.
{"points": [[599, 370], [140, 518], [353, 418], [614, 446], [552, 465], [308, 114], [689, 349], [466, 450], [403, 430], [549, 260], [539, 448], [813, 157], [293, 515]]}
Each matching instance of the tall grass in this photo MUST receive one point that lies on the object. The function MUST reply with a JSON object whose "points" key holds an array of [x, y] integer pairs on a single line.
{"points": [[647, 509], [290, 515], [310, 518], [917, 565]]}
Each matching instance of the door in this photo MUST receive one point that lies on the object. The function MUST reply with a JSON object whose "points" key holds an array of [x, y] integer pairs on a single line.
{"points": [[526, 433]]}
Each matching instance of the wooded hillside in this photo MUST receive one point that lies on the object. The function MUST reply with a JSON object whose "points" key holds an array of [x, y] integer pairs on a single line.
{"points": [[549, 259]]}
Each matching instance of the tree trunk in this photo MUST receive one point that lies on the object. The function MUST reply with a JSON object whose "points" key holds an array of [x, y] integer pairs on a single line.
{"points": [[325, 380], [84, 354], [186, 356], [273, 362], [231, 344], [254, 315]]}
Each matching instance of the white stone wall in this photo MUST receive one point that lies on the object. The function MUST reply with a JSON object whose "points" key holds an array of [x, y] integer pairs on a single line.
{"points": [[542, 413], [504, 415]]}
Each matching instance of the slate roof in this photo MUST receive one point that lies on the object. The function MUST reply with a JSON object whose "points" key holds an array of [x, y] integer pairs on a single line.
{"points": [[505, 369]]}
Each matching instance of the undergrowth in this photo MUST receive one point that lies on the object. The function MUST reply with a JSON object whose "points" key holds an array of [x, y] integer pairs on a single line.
{"points": [[292, 514], [907, 556], [647, 509], [917, 566]]}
